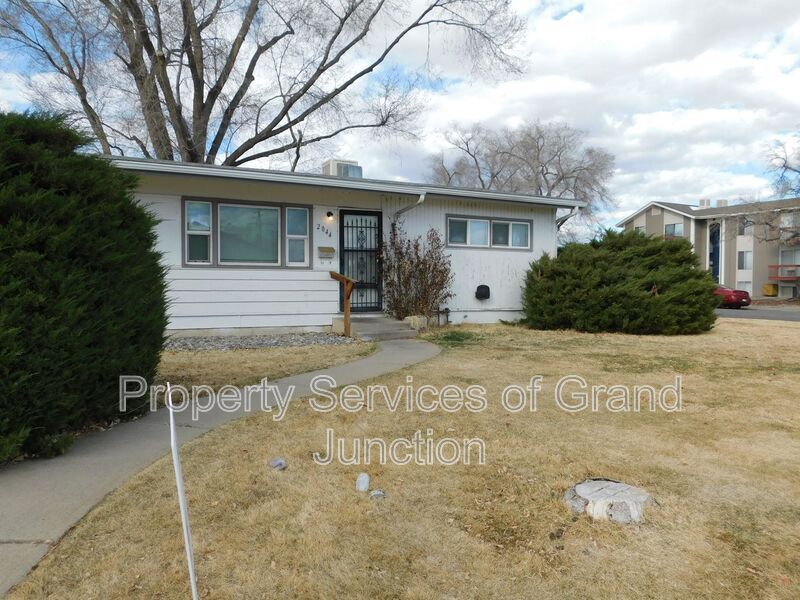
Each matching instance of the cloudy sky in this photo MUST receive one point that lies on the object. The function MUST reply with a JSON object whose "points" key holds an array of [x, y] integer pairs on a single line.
{"points": [[686, 93]]}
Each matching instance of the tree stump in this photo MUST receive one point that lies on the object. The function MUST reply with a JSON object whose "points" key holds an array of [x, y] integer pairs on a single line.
{"points": [[604, 499]]}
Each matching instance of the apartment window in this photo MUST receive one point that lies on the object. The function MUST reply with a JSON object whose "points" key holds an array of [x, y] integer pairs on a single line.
{"points": [[297, 237], [745, 226], [639, 229], [488, 233], [790, 257], [507, 234], [744, 259], [673, 230], [198, 232], [745, 286], [790, 220], [249, 234]]}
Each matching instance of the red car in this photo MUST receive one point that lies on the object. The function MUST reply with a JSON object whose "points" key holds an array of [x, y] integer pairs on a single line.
{"points": [[732, 298]]}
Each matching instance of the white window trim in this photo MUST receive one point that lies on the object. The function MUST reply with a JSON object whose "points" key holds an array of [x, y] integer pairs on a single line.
{"points": [[469, 243], [305, 237], [491, 233], [511, 235], [491, 222], [209, 234], [745, 267], [254, 262], [673, 225]]}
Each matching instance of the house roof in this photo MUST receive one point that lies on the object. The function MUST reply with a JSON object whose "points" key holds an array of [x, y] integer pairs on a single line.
{"points": [[694, 212], [377, 185], [683, 209], [747, 208]]}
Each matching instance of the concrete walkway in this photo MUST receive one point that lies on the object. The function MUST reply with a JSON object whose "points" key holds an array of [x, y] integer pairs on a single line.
{"points": [[41, 499]]}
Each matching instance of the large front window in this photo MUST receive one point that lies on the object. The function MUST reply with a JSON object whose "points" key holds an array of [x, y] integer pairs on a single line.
{"points": [[225, 233], [249, 234]]}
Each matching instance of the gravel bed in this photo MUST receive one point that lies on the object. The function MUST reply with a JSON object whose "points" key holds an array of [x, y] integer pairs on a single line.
{"points": [[255, 341]]}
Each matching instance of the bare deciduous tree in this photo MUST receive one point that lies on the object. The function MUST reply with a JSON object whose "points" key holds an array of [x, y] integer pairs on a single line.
{"points": [[784, 161], [546, 159], [233, 81]]}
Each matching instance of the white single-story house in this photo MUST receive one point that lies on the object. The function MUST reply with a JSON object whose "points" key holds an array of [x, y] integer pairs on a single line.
{"points": [[252, 249]]}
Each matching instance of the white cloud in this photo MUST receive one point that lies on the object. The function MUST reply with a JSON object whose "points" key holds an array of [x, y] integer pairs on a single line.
{"points": [[12, 96], [687, 95]]}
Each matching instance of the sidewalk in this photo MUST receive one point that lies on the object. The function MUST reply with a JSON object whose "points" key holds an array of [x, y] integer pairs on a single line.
{"points": [[41, 499]]}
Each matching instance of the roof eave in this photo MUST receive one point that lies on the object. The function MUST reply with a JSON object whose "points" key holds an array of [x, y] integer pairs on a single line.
{"points": [[648, 205], [335, 182]]}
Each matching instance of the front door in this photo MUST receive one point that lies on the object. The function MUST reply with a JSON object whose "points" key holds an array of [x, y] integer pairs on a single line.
{"points": [[360, 238]]}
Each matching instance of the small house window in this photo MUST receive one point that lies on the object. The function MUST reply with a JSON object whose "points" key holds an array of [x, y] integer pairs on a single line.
{"points": [[468, 232], [520, 235], [198, 232], [673, 230], [639, 229], [500, 233], [745, 259], [297, 237], [488, 233], [457, 232], [249, 234], [478, 233]]}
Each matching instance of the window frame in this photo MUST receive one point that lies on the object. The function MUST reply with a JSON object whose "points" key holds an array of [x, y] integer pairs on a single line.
{"points": [[745, 226], [511, 235], [740, 254], [306, 238], [494, 222], [277, 263], [208, 234], [673, 235], [214, 248], [491, 222]]}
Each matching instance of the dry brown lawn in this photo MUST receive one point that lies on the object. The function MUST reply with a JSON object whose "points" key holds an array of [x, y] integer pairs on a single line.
{"points": [[245, 367], [724, 471]]}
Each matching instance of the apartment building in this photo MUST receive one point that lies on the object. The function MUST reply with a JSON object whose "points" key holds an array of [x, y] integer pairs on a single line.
{"points": [[752, 246]]}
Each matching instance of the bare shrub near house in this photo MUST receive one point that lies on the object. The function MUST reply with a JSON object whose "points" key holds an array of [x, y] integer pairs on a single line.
{"points": [[416, 273]]}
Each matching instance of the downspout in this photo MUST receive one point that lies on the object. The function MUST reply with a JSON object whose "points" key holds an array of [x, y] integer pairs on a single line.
{"points": [[405, 209], [563, 219]]}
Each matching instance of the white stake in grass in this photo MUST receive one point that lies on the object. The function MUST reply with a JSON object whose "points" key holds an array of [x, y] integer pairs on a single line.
{"points": [[176, 460]]}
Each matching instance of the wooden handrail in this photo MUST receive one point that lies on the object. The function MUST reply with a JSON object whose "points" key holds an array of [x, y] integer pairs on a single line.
{"points": [[348, 289]]}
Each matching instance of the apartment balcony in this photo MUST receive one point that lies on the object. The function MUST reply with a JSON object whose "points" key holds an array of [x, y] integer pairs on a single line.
{"points": [[784, 272]]}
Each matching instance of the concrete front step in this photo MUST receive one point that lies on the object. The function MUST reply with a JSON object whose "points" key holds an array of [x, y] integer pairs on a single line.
{"points": [[375, 328]]}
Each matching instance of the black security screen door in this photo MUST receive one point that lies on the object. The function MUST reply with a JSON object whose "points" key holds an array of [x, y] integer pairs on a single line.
{"points": [[360, 241]]}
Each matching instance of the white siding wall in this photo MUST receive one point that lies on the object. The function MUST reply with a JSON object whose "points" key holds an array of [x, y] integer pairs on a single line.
{"points": [[502, 270], [226, 298]]}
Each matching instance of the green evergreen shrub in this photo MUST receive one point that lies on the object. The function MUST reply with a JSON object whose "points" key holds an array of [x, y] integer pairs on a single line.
{"points": [[625, 282], [82, 291]]}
